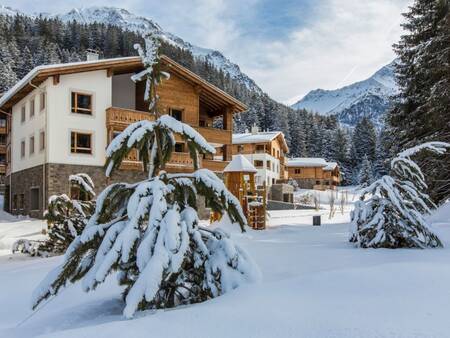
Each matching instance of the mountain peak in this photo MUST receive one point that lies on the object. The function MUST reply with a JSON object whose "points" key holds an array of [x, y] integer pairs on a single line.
{"points": [[370, 97]]}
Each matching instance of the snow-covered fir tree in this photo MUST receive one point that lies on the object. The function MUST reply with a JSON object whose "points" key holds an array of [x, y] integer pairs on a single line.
{"points": [[365, 177], [423, 106], [149, 231], [391, 212], [66, 218]]}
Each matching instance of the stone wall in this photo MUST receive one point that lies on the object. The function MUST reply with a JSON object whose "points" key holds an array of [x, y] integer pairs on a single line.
{"points": [[21, 184], [282, 192], [306, 183], [57, 182]]}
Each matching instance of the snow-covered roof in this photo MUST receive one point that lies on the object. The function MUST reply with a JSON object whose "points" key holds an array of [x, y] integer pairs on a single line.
{"points": [[259, 137], [330, 166], [311, 162], [36, 70], [240, 164], [307, 162], [41, 73]]}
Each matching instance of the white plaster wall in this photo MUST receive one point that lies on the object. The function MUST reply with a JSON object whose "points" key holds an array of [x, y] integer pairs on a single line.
{"points": [[264, 174], [23, 130], [61, 121], [123, 91]]}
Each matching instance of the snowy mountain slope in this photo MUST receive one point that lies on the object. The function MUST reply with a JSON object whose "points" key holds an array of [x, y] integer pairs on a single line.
{"points": [[4, 10], [126, 20], [370, 97]]}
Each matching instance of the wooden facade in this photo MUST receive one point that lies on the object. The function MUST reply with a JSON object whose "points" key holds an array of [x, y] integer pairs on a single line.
{"points": [[177, 94], [315, 177]]}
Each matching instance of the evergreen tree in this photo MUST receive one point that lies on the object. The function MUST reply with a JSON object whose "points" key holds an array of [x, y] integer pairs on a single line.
{"points": [[66, 218], [365, 177], [391, 211], [149, 231], [423, 106], [364, 140]]}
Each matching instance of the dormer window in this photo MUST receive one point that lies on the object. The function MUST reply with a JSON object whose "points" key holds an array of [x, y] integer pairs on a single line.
{"points": [[81, 103]]}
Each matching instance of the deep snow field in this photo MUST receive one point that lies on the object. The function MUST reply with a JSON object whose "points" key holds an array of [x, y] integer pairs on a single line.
{"points": [[315, 284]]}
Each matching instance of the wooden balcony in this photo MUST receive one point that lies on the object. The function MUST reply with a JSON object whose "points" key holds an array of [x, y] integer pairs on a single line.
{"points": [[2, 168], [120, 118], [214, 165], [181, 160], [3, 148], [215, 135]]}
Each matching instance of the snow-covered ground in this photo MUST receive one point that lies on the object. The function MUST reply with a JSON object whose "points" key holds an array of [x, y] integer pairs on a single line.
{"points": [[315, 284]]}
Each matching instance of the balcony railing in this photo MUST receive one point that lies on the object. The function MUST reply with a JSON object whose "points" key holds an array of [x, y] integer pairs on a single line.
{"points": [[213, 165], [121, 117], [215, 135]]}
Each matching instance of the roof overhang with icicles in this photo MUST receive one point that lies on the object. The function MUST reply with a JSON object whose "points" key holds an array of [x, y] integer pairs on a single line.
{"points": [[213, 97]]}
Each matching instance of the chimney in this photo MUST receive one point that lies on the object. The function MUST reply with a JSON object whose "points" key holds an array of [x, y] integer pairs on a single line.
{"points": [[255, 129], [91, 55]]}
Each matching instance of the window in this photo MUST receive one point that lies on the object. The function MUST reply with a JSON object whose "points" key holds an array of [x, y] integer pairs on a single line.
{"points": [[34, 198], [240, 149], [81, 103], [2, 123], [202, 123], [31, 145], [260, 148], [22, 114], [80, 143], [258, 163], [297, 171], [273, 152], [176, 114], [14, 202], [179, 147], [318, 182], [2, 139], [21, 201], [42, 102], [32, 104], [42, 140], [22, 149], [278, 153], [268, 165]]}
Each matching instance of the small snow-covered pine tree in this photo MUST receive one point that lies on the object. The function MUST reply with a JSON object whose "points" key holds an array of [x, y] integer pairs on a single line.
{"points": [[66, 218], [391, 211], [149, 231]]}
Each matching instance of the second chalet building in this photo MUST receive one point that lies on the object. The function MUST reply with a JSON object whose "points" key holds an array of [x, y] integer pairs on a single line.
{"points": [[266, 151], [62, 117]]}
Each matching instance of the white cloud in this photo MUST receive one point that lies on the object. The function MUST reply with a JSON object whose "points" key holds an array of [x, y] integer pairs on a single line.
{"points": [[347, 42]]}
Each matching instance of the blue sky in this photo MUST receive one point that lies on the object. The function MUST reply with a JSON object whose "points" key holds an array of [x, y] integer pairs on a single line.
{"points": [[288, 47]]}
